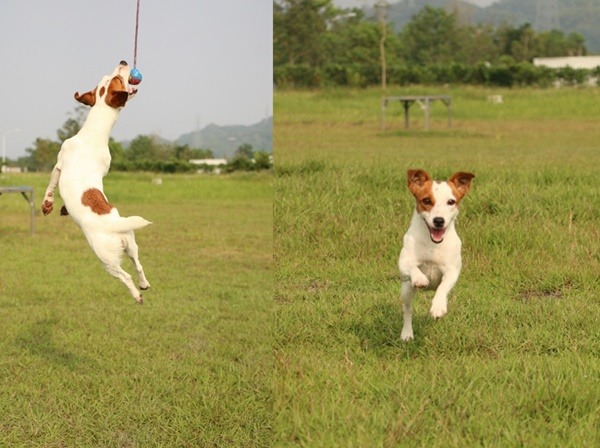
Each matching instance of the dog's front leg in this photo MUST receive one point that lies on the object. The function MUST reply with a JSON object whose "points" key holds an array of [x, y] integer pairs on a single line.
{"points": [[409, 270], [439, 305], [48, 202], [407, 294]]}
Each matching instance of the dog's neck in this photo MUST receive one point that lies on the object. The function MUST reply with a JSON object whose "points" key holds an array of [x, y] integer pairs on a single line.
{"points": [[99, 122]]}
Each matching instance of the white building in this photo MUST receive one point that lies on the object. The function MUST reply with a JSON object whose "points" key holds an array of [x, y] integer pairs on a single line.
{"points": [[216, 163], [576, 62]]}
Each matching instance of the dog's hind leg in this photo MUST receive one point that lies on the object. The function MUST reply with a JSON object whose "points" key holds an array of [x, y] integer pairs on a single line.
{"points": [[131, 249], [407, 294], [117, 271]]}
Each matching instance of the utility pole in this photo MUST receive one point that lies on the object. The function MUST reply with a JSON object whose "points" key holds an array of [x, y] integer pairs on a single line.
{"points": [[381, 7]]}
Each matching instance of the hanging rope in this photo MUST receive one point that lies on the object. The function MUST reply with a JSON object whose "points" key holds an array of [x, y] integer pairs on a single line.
{"points": [[137, 25], [135, 77]]}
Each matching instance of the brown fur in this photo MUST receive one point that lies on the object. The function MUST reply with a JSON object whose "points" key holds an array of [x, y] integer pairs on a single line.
{"points": [[96, 200], [419, 184], [87, 98], [461, 184], [117, 93]]}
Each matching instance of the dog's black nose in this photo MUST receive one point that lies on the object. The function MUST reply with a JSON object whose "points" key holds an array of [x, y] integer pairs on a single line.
{"points": [[123, 63], [438, 222]]}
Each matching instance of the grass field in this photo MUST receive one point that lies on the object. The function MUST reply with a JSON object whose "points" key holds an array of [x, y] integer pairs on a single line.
{"points": [[82, 366], [515, 363]]}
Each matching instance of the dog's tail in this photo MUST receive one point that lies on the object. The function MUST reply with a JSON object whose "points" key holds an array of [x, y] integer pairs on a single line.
{"points": [[120, 224]]}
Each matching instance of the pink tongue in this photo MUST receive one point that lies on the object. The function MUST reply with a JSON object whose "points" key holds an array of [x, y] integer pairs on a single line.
{"points": [[437, 235]]}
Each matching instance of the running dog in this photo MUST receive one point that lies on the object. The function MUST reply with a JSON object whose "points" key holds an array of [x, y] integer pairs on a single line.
{"points": [[430, 257], [83, 161]]}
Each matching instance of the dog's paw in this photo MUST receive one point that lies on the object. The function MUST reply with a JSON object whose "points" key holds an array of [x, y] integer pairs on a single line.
{"points": [[438, 310], [407, 335], [420, 281], [47, 206]]}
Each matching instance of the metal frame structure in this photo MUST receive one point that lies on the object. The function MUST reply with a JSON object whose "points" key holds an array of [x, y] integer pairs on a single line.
{"points": [[423, 100]]}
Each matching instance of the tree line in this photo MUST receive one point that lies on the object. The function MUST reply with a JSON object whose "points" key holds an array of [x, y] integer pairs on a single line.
{"points": [[144, 153], [316, 44]]}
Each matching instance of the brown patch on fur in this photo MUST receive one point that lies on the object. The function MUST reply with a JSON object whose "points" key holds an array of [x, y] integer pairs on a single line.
{"points": [[102, 91], [47, 207], [87, 98], [117, 93], [420, 185], [460, 183], [64, 211], [96, 200]]}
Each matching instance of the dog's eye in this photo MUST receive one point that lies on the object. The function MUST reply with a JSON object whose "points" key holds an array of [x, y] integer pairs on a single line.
{"points": [[451, 202], [426, 201]]}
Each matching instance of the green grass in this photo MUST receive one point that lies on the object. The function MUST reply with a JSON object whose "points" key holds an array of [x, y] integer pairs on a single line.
{"points": [[82, 366], [515, 362]]}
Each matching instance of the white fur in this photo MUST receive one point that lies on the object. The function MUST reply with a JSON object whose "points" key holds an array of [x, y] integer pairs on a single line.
{"points": [[83, 161], [423, 263]]}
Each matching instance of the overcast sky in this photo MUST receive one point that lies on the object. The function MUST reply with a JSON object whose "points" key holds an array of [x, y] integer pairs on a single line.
{"points": [[203, 61]]}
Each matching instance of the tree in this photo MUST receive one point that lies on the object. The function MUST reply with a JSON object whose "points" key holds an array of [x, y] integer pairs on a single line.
{"points": [[298, 30], [244, 151], [184, 152], [430, 37], [117, 152], [42, 155], [73, 123], [522, 47], [262, 160], [145, 147], [477, 44], [576, 45]]}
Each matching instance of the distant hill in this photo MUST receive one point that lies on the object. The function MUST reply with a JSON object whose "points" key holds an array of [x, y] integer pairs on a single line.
{"points": [[581, 16], [224, 140]]}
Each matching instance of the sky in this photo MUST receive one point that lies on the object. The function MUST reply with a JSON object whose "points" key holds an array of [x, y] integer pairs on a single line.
{"points": [[202, 61]]}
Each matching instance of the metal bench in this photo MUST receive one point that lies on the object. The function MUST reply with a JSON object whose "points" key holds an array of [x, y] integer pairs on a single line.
{"points": [[423, 100]]}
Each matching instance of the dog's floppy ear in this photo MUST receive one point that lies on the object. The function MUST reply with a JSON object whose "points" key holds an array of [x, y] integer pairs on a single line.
{"points": [[462, 181], [87, 98], [117, 93], [117, 99], [416, 179]]}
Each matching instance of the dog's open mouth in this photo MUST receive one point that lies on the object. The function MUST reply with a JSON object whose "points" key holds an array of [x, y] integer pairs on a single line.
{"points": [[437, 235]]}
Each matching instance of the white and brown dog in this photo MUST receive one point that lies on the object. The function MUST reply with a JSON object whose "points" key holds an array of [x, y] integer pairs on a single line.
{"points": [[430, 258], [83, 161]]}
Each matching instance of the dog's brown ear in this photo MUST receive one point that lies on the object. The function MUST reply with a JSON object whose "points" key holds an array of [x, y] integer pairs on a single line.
{"points": [[87, 98], [117, 99], [117, 93], [416, 179], [462, 181]]}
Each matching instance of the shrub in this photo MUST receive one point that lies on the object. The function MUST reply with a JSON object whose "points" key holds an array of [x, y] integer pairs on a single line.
{"points": [[301, 75], [262, 160]]}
